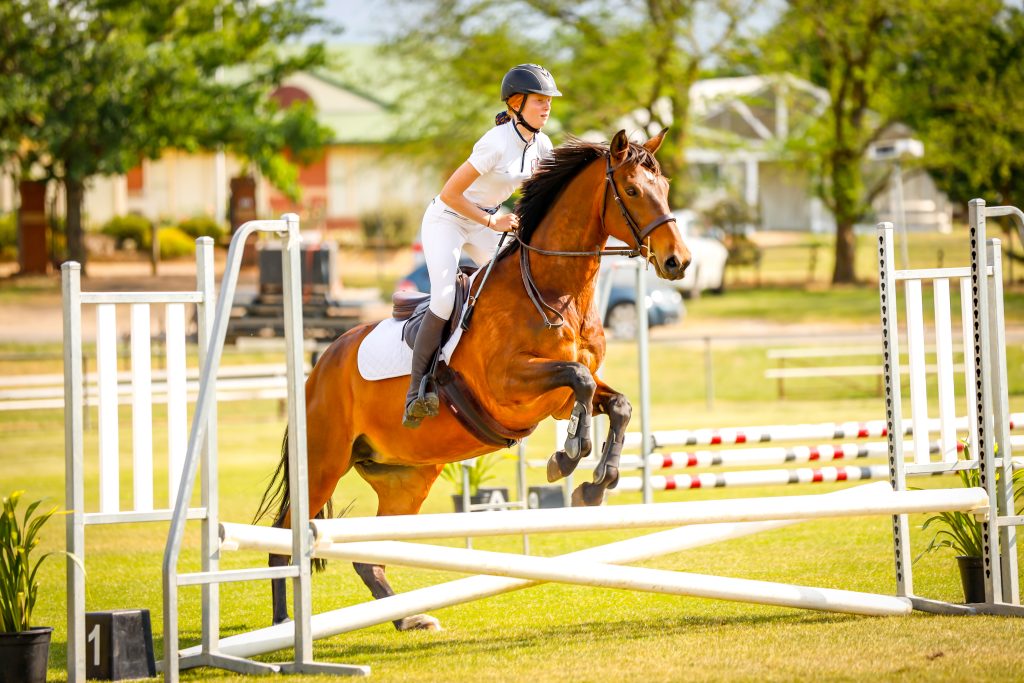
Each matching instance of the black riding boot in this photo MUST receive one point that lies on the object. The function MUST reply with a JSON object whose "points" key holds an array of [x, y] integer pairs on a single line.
{"points": [[428, 338]]}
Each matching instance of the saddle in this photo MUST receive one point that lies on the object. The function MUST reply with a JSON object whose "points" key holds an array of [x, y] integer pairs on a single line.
{"points": [[451, 388], [412, 307]]}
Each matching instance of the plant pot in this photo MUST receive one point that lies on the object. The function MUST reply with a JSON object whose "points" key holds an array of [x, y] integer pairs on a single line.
{"points": [[23, 655], [494, 495], [972, 577]]}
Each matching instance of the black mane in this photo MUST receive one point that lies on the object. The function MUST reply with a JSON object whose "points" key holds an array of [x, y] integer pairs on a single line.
{"points": [[556, 171]]}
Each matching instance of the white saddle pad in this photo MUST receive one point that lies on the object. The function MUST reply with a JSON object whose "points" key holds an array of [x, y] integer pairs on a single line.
{"points": [[383, 353]]}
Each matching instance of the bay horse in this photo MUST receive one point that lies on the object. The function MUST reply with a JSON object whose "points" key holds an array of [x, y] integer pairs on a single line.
{"points": [[532, 353]]}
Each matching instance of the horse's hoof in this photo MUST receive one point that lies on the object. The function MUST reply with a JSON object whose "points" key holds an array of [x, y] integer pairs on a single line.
{"points": [[587, 495], [286, 620], [418, 622], [560, 465]]}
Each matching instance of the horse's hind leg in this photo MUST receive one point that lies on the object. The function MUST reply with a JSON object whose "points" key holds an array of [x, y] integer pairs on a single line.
{"points": [[606, 474], [401, 490]]}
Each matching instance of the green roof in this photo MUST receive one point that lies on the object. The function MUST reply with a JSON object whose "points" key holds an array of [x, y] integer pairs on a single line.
{"points": [[366, 72]]}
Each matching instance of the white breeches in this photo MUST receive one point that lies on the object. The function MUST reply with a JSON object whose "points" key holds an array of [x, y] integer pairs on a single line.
{"points": [[443, 235]]}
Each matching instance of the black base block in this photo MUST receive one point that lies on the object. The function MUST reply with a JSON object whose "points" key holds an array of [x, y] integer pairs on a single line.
{"points": [[119, 645]]}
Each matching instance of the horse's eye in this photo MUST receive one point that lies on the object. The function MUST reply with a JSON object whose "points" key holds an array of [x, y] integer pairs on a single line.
{"points": [[631, 191]]}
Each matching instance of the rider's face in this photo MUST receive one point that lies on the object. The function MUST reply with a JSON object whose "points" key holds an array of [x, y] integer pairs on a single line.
{"points": [[537, 110]]}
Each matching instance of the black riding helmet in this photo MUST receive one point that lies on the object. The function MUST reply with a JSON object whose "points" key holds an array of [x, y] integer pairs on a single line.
{"points": [[527, 78]]}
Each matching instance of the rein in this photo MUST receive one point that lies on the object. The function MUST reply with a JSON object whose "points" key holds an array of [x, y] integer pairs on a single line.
{"points": [[639, 235]]}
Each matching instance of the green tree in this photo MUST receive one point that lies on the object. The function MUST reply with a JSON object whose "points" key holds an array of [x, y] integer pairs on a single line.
{"points": [[853, 49], [101, 84], [611, 59], [959, 91]]}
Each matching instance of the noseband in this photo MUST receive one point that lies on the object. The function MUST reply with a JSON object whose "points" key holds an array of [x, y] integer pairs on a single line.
{"points": [[639, 235]]}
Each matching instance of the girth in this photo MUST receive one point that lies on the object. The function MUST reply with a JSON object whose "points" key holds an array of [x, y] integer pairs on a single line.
{"points": [[455, 394]]}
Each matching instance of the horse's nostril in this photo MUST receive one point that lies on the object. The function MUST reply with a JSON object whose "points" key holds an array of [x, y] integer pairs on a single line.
{"points": [[671, 264]]}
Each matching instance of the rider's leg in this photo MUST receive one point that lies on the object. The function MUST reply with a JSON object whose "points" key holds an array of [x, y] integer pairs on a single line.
{"points": [[417, 405], [484, 241], [442, 245]]}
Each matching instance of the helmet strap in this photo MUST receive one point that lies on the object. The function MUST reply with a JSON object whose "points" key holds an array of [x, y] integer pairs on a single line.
{"points": [[519, 116]]}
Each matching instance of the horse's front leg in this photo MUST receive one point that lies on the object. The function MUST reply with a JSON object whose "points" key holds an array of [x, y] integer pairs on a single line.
{"points": [[606, 474], [544, 375]]}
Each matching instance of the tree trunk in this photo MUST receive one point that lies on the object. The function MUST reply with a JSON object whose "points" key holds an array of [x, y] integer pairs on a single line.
{"points": [[846, 191], [74, 191], [843, 273]]}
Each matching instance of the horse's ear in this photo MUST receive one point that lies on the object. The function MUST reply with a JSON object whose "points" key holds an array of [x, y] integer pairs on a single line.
{"points": [[619, 147], [654, 143]]}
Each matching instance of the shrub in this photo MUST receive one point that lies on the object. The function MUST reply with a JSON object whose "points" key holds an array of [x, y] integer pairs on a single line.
{"points": [[19, 582], [202, 226], [393, 227], [130, 227], [9, 236], [174, 243], [961, 531]]}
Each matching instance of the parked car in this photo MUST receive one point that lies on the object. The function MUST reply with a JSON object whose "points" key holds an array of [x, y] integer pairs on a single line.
{"points": [[663, 303], [419, 281], [709, 254]]}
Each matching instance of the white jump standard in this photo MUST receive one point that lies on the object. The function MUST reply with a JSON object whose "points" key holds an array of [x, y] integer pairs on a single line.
{"points": [[299, 570], [981, 313]]}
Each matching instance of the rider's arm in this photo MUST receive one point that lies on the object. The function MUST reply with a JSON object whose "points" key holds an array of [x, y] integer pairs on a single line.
{"points": [[453, 195]]}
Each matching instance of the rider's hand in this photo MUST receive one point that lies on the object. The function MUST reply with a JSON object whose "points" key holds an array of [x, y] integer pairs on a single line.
{"points": [[506, 222]]}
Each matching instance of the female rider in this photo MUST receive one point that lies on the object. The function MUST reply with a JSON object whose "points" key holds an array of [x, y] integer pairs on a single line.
{"points": [[465, 210]]}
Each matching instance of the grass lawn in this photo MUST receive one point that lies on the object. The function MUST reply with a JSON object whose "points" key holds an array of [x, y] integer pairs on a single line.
{"points": [[556, 632]]}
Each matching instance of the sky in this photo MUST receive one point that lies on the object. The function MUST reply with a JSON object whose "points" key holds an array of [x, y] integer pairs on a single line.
{"points": [[362, 21]]}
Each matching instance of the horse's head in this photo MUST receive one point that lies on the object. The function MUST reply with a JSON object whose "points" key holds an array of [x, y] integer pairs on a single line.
{"points": [[642, 218]]}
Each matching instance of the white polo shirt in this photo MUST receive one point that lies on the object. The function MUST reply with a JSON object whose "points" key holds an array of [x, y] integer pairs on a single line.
{"points": [[504, 161]]}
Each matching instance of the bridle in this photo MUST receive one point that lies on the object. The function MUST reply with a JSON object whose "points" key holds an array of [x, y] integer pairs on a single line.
{"points": [[640, 234]]}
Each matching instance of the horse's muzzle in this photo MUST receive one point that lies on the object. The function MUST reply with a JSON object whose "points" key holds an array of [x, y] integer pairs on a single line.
{"points": [[674, 266]]}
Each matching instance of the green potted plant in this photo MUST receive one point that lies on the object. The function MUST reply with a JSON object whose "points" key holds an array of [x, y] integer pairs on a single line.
{"points": [[480, 471], [23, 647], [961, 533]]}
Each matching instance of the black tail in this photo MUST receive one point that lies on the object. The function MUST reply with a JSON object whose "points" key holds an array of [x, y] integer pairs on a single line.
{"points": [[278, 496]]}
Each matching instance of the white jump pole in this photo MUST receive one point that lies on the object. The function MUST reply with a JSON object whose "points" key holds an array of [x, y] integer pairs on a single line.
{"points": [[612, 576], [413, 527], [601, 575], [473, 588], [763, 434], [771, 455], [779, 477]]}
